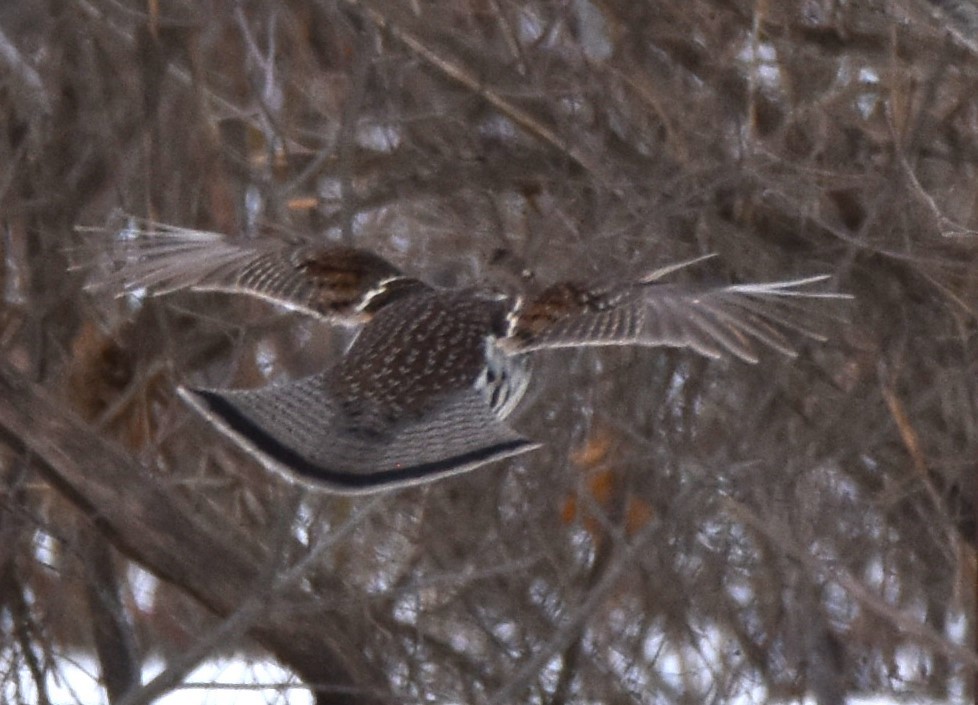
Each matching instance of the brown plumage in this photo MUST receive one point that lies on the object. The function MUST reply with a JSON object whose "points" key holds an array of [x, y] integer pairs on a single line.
{"points": [[426, 387]]}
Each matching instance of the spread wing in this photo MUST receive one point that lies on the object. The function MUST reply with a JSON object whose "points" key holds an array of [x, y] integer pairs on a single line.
{"points": [[713, 321], [337, 283], [305, 432]]}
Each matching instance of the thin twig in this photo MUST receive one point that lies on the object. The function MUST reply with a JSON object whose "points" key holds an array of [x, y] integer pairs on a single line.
{"points": [[779, 535], [454, 69], [571, 629]]}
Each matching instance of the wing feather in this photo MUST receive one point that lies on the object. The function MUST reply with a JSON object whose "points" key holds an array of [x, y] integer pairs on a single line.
{"points": [[328, 282], [729, 320]]}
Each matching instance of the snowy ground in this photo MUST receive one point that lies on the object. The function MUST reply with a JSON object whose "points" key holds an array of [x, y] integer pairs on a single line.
{"points": [[240, 682]]}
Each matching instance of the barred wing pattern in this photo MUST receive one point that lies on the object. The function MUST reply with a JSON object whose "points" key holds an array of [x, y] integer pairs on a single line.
{"points": [[335, 283], [302, 429], [424, 389], [712, 321]]}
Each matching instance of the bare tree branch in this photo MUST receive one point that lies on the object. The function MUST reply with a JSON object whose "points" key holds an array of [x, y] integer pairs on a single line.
{"points": [[189, 546]]}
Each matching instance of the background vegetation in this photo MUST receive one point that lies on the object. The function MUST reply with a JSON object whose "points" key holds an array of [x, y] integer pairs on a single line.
{"points": [[692, 532]]}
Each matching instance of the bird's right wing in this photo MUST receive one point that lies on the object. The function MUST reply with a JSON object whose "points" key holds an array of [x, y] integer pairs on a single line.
{"points": [[335, 282], [301, 430], [714, 321]]}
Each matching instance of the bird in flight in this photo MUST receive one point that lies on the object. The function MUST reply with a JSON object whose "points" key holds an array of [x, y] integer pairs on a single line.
{"points": [[426, 386]]}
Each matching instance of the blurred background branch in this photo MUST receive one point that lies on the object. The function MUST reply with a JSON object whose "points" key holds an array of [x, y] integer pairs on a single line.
{"points": [[509, 144]]}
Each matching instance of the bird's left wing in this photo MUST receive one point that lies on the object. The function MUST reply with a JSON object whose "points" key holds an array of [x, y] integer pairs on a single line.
{"points": [[714, 321], [333, 282]]}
